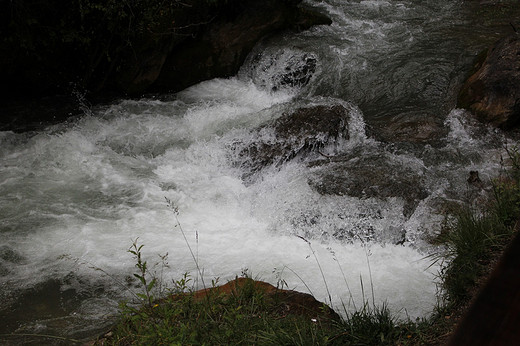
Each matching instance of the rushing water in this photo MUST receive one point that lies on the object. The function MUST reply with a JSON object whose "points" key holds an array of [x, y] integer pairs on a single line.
{"points": [[74, 196]]}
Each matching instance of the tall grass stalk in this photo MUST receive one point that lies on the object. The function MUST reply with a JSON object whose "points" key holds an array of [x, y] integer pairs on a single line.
{"points": [[319, 266], [367, 254], [299, 277], [178, 224], [345, 280], [148, 285]]}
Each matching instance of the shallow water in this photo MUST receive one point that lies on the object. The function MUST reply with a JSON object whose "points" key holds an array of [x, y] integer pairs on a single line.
{"points": [[76, 195]]}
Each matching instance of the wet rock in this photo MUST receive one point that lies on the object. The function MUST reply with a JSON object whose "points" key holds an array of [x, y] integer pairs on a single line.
{"points": [[369, 176], [295, 134], [56, 49], [298, 73], [223, 45], [492, 93], [474, 179], [4, 270], [287, 68], [9, 255], [141, 69], [8, 258], [416, 129]]}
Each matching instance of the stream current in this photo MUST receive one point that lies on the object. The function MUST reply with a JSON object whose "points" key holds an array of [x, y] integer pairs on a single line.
{"points": [[74, 196]]}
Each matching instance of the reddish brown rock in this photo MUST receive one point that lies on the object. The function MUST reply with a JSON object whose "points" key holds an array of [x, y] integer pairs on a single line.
{"points": [[291, 302], [492, 93]]}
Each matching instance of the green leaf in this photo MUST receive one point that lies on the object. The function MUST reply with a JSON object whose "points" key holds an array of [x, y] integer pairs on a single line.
{"points": [[140, 279], [151, 285]]}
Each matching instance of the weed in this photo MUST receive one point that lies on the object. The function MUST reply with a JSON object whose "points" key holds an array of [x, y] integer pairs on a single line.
{"points": [[143, 275], [472, 237], [178, 225], [319, 266]]}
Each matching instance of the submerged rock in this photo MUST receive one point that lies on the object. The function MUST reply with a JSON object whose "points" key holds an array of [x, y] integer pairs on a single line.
{"points": [[369, 176], [8, 258], [10, 255], [409, 128], [492, 93], [294, 134]]}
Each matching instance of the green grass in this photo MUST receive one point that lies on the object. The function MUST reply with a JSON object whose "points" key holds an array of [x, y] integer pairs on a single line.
{"points": [[250, 317], [244, 317], [474, 238]]}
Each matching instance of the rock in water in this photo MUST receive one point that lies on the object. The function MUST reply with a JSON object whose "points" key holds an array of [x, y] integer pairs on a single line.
{"points": [[294, 134], [492, 93], [369, 176], [223, 44]]}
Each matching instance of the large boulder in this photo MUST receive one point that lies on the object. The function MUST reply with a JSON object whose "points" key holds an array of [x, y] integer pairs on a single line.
{"points": [[224, 43], [291, 302], [492, 93], [120, 49], [205, 42], [127, 47], [306, 130]]}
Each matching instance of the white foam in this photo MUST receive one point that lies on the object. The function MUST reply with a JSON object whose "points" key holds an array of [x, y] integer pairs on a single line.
{"points": [[91, 188]]}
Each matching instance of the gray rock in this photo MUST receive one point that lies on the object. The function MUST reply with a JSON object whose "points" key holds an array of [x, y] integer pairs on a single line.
{"points": [[409, 128], [369, 176], [294, 135]]}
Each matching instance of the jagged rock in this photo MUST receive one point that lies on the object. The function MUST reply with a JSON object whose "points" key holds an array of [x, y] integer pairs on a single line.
{"points": [[295, 134], [492, 93]]}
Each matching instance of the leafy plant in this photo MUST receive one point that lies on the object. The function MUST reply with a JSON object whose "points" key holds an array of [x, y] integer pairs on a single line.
{"points": [[142, 275]]}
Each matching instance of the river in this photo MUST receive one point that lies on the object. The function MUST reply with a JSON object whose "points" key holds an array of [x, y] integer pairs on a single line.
{"points": [[74, 196]]}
